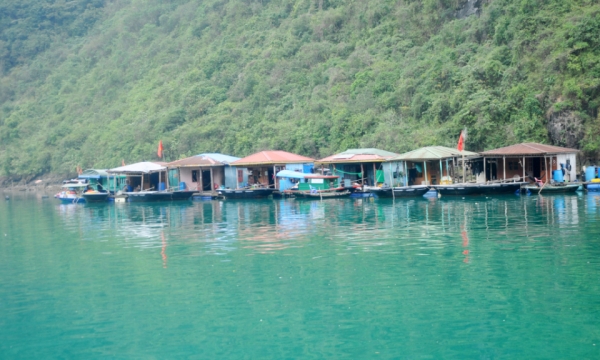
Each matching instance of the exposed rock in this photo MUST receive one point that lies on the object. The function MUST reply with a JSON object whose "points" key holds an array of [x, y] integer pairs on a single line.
{"points": [[469, 7], [565, 128]]}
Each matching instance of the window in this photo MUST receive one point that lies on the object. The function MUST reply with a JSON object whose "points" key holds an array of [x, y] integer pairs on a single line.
{"points": [[240, 174], [194, 175]]}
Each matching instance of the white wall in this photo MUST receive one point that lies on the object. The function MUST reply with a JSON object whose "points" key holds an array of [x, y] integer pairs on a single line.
{"points": [[562, 159]]}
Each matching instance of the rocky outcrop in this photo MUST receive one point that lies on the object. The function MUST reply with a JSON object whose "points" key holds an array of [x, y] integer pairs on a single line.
{"points": [[468, 8], [565, 128]]}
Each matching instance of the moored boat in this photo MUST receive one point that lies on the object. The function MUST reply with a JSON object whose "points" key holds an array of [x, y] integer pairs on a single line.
{"points": [[552, 189], [250, 193], [320, 195], [479, 189], [95, 197], [151, 196], [397, 192], [71, 192]]}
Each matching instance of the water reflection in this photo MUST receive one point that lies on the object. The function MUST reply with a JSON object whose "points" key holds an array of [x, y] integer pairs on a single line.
{"points": [[423, 226]]}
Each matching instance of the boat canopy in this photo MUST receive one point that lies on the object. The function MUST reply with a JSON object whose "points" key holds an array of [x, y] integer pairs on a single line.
{"points": [[75, 185], [298, 175], [144, 167], [93, 174]]}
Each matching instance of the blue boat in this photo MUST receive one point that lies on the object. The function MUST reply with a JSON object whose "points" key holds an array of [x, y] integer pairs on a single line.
{"points": [[72, 192]]}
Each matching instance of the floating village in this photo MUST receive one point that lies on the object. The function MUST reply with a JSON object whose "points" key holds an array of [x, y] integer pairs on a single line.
{"points": [[437, 171]]}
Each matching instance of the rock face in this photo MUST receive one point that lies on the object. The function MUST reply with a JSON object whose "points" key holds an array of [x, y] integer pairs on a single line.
{"points": [[469, 7], [565, 128]]}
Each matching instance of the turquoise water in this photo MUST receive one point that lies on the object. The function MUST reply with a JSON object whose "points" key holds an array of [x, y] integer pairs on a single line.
{"points": [[509, 277]]}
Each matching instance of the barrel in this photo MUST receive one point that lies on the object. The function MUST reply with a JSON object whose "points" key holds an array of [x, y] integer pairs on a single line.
{"points": [[161, 186], [182, 185], [590, 173], [557, 176]]}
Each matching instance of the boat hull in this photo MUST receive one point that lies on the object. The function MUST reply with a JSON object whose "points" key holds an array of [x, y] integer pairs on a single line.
{"points": [[245, 193], [551, 189], [71, 200], [322, 195], [478, 189], [399, 192], [152, 196], [96, 197]]}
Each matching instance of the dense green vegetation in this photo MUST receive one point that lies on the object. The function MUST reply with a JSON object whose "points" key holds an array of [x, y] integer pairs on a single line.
{"points": [[91, 82]]}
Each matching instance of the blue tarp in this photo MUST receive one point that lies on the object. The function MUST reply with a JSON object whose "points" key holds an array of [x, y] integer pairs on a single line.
{"points": [[291, 174]]}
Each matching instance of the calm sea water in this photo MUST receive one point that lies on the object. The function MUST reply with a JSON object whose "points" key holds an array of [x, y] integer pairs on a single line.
{"points": [[507, 277]]}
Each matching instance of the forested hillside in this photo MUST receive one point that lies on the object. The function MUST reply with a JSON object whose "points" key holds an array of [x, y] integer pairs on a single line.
{"points": [[91, 82]]}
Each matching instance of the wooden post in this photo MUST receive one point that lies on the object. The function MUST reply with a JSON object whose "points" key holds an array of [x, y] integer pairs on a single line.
{"points": [[464, 174], [484, 171], [504, 167], [274, 178], [362, 175], [142, 185], [159, 178], [391, 178], [167, 181], [212, 180], [523, 168], [374, 175], [441, 173], [201, 184], [546, 168], [425, 173]]}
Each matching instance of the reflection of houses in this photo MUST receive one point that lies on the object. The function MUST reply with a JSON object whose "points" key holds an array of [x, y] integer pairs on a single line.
{"points": [[358, 164], [206, 172], [262, 167], [529, 159], [145, 175], [431, 165]]}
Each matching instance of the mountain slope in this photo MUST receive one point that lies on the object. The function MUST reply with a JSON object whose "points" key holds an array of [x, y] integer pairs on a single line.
{"points": [[312, 77]]}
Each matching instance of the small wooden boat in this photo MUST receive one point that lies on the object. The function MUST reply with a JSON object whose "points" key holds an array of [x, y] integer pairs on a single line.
{"points": [[95, 197], [552, 189], [151, 196], [479, 189], [398, 192], [256, 193], [72, 192]]}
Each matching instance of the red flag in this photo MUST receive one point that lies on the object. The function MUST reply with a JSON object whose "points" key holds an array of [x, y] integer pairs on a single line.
{"points": [[461, 142], [160, 149]]}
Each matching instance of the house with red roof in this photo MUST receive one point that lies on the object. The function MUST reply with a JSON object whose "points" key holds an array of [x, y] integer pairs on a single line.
{"points": [[263, 165]]}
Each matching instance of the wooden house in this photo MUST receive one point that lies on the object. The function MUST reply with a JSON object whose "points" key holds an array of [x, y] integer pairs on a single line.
{"points": [[363, 166], [207, 172], [262, 167]]}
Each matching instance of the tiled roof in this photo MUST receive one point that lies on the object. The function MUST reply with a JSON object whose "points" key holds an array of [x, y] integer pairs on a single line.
{"points": [[272, 157], [433, 153], [529, 149], [359, 155]]}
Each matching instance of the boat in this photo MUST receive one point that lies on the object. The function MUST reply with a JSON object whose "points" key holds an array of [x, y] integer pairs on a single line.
{"points": [[320, 195], [552, 189], [397, 192], [164, 195], [95, 196], [479, 189], [71, 192], [250, 193]]}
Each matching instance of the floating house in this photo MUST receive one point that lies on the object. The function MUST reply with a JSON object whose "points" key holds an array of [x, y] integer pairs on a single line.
{"points": [[529, 160], [306, 181], [262, 167], [101, 177], [358, 165], [207, 172], [431, 165], [143, 175]]}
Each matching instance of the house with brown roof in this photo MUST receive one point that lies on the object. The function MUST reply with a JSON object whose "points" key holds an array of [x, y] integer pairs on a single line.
{"points": [[364, 166], [207, 172], [529, 160], [263, 165]]}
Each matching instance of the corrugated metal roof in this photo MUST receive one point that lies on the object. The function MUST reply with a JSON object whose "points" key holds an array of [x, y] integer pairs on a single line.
{"points": [[141, 167], [433, 153], [529, 149], [225, 159], [359, 155], [271, 158]]}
